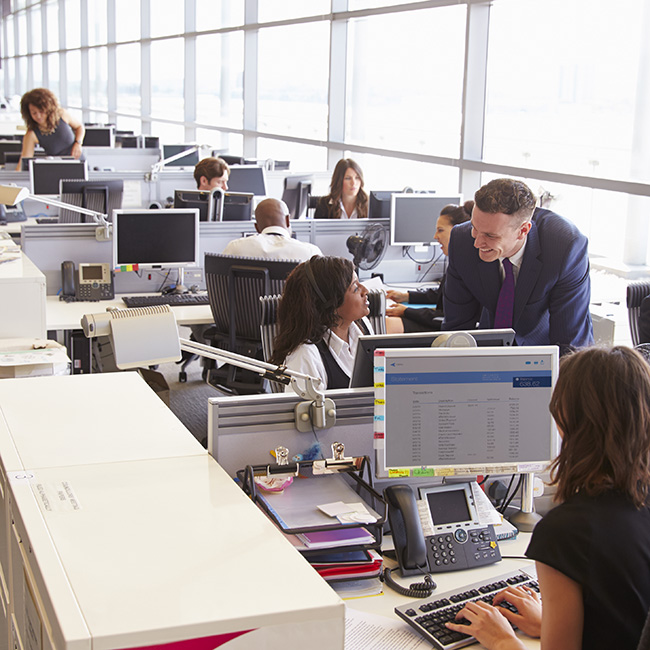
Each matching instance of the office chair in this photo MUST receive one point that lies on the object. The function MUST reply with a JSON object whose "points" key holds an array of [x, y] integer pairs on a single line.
{"points": [[311, 205], [235, 285], [269, 325], [636, 292]]}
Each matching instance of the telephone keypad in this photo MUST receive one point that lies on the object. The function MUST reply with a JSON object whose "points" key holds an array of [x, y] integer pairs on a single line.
{"points": [[463, 549]]}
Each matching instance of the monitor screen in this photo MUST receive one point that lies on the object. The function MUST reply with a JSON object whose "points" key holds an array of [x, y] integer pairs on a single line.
{"points": [[296, 194], [247, 178], [464, 411], [190, 160], [379, 204], [208, 203], [10, 146], [155, 238], [99, 136], [362, 371], [46, 174], [237, 206], [413, 217]]}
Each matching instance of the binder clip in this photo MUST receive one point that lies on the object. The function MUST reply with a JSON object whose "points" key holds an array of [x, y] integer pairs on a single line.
{"points": [[338, 463], [279, 475]]}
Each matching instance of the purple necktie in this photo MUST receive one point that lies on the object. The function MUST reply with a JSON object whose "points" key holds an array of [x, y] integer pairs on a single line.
{"points": [[506, 302]]}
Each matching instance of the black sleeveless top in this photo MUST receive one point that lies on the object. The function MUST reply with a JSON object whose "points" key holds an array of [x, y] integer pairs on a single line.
{"points": [[59, 142], [336, 376]]}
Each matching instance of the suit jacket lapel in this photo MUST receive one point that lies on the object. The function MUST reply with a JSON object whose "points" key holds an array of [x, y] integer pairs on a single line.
{"points": [[490, 275], [531, 267]]}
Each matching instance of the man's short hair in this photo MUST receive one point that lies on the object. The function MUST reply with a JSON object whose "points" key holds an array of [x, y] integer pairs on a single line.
{"points": [[210, 168], [508, 196]]}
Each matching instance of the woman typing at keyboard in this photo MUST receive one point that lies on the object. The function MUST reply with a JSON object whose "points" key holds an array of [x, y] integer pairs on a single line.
{"points": [[592, 552]]}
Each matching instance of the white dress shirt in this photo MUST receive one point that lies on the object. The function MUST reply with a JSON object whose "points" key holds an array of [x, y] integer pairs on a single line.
{"points": [[516, 261], [274, 242]]}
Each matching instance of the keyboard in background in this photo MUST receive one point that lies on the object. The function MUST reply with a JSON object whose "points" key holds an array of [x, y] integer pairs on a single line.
{"points": [[47, 219], [172, 299], [429, 615]]}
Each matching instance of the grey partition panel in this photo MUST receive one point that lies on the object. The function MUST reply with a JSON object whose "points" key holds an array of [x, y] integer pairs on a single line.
{"points": [[243, 430], [117, 159]]}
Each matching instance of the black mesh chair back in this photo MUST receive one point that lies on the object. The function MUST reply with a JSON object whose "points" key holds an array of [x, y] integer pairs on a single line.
{"points": [[636, 292]]}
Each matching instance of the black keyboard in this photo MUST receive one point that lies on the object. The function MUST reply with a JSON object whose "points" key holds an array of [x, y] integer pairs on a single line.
{"points": [[41, 220], [429, 615], [172, 299]]}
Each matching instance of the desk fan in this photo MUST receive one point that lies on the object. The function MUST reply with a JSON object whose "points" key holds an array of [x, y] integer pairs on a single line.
{"points": [[368, 248]]}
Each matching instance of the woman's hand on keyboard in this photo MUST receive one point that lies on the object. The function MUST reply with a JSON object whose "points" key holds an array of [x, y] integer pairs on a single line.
{"points": [[488, 625], [397, 296], [529, 608], [395, 310]]}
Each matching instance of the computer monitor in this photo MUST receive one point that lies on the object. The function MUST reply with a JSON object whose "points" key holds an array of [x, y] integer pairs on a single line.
{"points": [[151, 142], [362, 370], [464, 411], [413, 217], [190, 160], [379, 204], [129, 141], [24, 162], [46, 174], [208, 203], [155, 238], [237, 206], [230, 160], [11, 158], [99, 136], [247, 178], [99, 195], [10, 146], [296, 194]]}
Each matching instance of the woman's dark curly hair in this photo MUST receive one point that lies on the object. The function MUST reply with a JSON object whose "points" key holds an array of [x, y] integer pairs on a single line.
{"points": [[312, 294], [45, 100]]}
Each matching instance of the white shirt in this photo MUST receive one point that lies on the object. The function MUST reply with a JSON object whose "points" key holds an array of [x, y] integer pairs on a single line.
{"points": [[307, 359], [516, 261], [344, 214], [274, 242]]}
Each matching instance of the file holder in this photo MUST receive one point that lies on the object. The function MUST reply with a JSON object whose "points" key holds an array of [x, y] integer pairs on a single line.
{"points": [[317, 482]]}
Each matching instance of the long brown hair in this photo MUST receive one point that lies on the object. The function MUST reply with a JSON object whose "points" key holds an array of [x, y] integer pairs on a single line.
{"points": [[336, 189], [312, 294], [601, 404], [46, 101]]}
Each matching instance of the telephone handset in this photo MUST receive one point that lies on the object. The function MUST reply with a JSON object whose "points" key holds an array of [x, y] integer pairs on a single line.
{"points": [[93, 281], [440, 532]]}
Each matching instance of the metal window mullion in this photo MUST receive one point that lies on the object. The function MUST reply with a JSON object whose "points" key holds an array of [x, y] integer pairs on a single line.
{"points": [[250, 79]]}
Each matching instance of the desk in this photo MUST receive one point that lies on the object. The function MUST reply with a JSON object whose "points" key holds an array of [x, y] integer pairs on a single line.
{"points": [[66, 317], [384, 604]]}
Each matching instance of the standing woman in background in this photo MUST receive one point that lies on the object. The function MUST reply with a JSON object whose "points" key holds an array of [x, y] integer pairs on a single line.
{"points": [[347, 198], [400, 318], [49, 125]]}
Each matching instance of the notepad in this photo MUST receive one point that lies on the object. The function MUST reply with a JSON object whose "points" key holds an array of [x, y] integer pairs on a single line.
{"points": [[337, 537]]}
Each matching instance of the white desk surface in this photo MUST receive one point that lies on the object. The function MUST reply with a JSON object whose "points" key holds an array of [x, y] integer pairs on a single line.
{"points": [[385, 603], [87, 419], [15, 227], [167, 550], [61, 315]]}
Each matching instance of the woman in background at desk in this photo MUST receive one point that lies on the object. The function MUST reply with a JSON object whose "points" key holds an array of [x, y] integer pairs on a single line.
{"points": [[347, 198], [49, 125], [592, 552], [322, 304], [400, 318]]}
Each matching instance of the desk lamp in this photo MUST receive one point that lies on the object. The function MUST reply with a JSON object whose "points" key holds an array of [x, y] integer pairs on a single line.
{"points": [[12, 194], [145, 336]]}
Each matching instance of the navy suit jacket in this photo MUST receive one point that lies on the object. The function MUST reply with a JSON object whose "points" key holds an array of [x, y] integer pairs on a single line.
{"points": [[553, 288]]}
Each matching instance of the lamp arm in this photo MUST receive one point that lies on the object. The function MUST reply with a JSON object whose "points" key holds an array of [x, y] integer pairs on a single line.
{"points": [[99, 217]]}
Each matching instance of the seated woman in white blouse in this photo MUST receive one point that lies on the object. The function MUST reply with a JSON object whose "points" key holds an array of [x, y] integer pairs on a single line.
{"points": [[318, 329]]}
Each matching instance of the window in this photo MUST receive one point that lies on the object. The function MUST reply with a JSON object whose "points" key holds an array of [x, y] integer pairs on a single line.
{"points": [[97, 12], [127, 20], [219, 77], [167, 75], [271, 10], [22, 32], [52, 18], [407, 97], [570, 107], [128, 79], [73, 65], [72, 24], [299, 155], [167, 20], [36, 36], [293, 68], [98, 83]]}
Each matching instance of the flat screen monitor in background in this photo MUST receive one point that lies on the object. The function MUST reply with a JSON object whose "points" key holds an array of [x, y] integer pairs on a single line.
{"points": [[129, 141], [10, 146], [297, 190], [11, 158], [208, 203], [190, 160], [46, 174], [230, 160], [156, 238], [99, 195], [99, 136], [413, 217], [247, 178], [237, 206], [465, 411], [362, 370], [37, 154], [151, 142], [379, 204]]}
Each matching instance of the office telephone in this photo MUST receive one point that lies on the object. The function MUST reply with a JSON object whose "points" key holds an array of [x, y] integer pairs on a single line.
{"points": [[440, 532], [93, 281]]}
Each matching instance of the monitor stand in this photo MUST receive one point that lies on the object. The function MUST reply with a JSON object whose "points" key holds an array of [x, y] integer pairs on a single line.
{"points": [[180, 285], [526, 518]]}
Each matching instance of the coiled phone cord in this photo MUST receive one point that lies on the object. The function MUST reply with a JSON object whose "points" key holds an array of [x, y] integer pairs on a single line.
{"points": [[415, 590]]}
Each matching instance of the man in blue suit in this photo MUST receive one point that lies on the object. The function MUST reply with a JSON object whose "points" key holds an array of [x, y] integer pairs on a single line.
{"points": [[536, 254]]}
